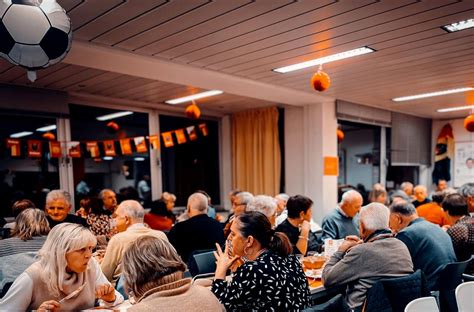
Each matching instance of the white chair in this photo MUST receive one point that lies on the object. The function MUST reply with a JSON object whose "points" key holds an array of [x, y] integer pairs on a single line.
{"points": [[465, 297], [424, 304]]}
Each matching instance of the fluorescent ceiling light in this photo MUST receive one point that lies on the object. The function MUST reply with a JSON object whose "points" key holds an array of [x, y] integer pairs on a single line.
{"points": [[139, 158], [324, 60], [114, 115], [107, 158], [453, 109], [459, 25], [425, 95], [194, 97], [47, 128], [20, 134]]}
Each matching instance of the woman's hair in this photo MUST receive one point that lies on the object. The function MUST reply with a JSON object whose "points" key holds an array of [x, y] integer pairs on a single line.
{"points": [[86, 204], [146, 261], [297, 204], [257, 225], [29, 223], [96, 206], [63, 238], [158, 207], [455, 205], [21, 205]]}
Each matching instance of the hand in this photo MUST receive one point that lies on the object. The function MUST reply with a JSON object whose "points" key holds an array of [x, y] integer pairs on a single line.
{"points": [[446, 227], [349, 242], [223, 261], [105, 292], [305, 227], [50, 305]]}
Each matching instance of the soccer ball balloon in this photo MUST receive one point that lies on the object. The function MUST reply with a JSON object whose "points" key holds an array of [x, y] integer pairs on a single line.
{"points": [[34, 33]]}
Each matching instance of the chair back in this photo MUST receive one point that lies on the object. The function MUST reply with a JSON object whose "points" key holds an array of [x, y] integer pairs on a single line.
{"points": [[423, 304], [450, 277], [201, 262], [465, 297]]}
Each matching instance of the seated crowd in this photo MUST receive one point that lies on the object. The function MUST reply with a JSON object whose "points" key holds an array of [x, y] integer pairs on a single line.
{"points": [[110, 251]]}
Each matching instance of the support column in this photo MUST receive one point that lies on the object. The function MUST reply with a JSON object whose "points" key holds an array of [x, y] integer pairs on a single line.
{"points": [[155, 160], [225, 164], [66, 174]]}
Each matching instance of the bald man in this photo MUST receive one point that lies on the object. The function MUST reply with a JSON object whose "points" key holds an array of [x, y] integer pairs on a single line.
{"points": [[343, 221], [198, 232]]}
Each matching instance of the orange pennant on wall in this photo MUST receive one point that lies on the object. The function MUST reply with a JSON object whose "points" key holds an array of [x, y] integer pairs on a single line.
{"points": [[74, 149], [55, 149], [180, 137], [125, 146], [93, 149], [140, 144], [14, 146], [204, 130], [167, 139], [34, 148], [154, 142], [192, 133], [109, 148]]}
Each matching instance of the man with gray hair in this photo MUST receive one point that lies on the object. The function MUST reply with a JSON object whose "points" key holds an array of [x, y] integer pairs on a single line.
{"points": [[198, 232], [58, 205], [359, 263], [282, 213], [128, 219], [467, 190], [266, 205], [430, 247], [343, 220]]}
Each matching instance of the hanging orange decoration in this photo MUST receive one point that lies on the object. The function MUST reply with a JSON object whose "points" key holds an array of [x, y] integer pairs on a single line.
{"points": [[113, 126], [340, 135], [320, 80], [469, 123], [49, 136], [193, 111]]}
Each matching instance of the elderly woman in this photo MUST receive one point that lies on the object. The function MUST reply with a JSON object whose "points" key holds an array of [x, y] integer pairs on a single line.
{"points": [[153, 273], [271, 278], [65, 277]]}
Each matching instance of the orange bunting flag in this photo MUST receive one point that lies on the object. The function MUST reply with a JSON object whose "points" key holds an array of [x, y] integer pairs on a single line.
{"points": [[204, 129], [168, 139], [34, 148], [14, 146], [140, 144], [180, 137], [154, 142], [93, 149], [192, 133], [55, 149], [109, 148], [126, 146], [74, 149]]}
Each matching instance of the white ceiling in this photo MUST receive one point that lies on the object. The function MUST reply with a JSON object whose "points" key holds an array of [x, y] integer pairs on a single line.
{"points": [[144, 52]]}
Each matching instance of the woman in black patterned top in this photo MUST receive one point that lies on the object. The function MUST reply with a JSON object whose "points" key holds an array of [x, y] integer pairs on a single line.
{"points": [[270, 278]]}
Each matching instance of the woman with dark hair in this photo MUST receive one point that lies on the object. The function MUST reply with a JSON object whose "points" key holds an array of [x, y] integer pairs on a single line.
{"points": [[159, 217], [270, 278], [99, 220]]}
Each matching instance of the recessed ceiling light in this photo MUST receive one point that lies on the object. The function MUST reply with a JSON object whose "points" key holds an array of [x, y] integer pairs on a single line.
{"points": [[194, 97], [114, 115], [139, 159], [324, 60], [108, 158], [459, 25], [20, 134], [453, 109], [46, 128], [431, 94]]}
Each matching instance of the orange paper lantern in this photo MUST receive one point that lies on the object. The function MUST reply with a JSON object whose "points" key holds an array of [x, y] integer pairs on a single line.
{"points": [[469, 123], [340, 135], [320, 81], [49, 136], [193, 111]]}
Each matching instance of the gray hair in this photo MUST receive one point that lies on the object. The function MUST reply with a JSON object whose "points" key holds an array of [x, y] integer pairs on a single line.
{"points": [[132, 209], [245, 197], [63, 238], [264, 204], [349, 196], [404, 185], [102, 193], [421, 187], [146, 261], [467, 190], [403, 207], [282, 196], [198, 202], [29, 223], [374, 216], [58, 195]]}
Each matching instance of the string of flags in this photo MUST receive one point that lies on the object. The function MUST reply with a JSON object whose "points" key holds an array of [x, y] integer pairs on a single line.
{"points": [[96, 149]]}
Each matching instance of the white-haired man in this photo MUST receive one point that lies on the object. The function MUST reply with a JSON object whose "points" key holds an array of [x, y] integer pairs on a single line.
{"points": [[266, 205], [360, 263], [58, 205], [198, 232], [282, 213], [343, 220], [128, 220]]}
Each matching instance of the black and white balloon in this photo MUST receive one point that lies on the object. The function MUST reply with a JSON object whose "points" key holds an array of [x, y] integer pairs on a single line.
{"points": [[34, 33]]}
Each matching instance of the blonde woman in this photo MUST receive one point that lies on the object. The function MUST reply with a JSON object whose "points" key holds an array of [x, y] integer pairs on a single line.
{"points": [[65, 277]]}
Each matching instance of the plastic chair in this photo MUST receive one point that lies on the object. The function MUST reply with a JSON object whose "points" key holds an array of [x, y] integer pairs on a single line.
{"points": [[424, 304], [450, 277], [465, 297], [201, 262]]}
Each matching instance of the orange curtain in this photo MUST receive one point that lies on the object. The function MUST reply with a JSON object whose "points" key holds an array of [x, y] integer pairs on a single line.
{"points": [[256, 159]]}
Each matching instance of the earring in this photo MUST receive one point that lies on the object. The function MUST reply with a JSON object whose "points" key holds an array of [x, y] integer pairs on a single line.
{"points": [[245, 257]]}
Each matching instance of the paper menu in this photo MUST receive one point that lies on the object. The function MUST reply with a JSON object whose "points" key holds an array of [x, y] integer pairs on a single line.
{"points": [[331, 246]]}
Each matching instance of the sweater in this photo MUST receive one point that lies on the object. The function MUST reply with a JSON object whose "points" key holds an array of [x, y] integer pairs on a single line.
{"points": [[15, 245], [363, 265], [336, 225], [30, 290], [433, 213]]}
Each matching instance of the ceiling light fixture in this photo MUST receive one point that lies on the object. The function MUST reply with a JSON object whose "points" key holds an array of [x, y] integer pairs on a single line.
{"points": [[139, 159], [459, 25], [324, 60], [108, 158], [453, 109], [46, 128], [114, 115], [196, 96], [20, 134], [431, 94]]}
